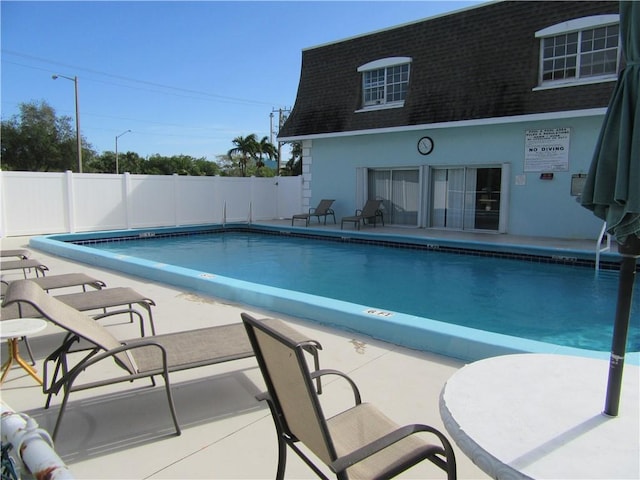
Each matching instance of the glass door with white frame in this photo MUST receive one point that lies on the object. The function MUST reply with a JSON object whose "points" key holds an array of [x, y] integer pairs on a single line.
{"points": [[399, 189], [465, 198]]}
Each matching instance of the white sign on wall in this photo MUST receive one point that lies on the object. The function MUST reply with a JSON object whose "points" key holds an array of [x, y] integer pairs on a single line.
{"points": [[546, 150]]}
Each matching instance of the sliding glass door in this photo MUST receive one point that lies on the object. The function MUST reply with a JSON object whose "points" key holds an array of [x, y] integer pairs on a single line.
{"points": [[400, 191], [465, 198]]}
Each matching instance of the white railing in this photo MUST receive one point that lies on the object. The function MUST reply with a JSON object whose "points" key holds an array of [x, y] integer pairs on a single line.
{"points": [[599, 248], [32, 447], [33, 203]]}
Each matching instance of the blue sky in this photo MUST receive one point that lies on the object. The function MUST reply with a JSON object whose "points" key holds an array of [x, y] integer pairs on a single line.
{"points": [[184, 77]]}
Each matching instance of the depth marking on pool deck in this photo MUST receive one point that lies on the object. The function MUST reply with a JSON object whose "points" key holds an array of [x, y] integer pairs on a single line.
{"points": [[378, 313]]}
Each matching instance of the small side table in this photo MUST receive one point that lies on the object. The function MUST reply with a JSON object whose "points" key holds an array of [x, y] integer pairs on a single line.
{"points": [[14, 330]]}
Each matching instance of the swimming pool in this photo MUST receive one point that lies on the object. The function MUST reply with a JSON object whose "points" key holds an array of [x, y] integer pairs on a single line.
{"points": [[403, 295]]}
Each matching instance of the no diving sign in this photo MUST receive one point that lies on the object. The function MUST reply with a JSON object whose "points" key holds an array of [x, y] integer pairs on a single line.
{"points": [[547, 150]]}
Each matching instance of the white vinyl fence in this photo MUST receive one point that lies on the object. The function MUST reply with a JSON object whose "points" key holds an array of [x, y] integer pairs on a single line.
{"points": [[34, 203]]}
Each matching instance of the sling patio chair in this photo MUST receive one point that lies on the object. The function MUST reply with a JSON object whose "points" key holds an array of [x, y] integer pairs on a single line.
{"points": [[21, 253], [370, 212], [63, 280], [322, 210], [53, 282], [24, 264], [145, 357], [101, 299], [360, 442]]}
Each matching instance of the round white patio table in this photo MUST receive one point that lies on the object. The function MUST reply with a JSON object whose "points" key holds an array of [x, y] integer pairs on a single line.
{"points": [[540, 416], [13, 330]]}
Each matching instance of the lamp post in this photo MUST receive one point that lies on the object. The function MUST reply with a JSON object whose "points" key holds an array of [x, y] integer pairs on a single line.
{"points": [[117, 137], [78, 138]]}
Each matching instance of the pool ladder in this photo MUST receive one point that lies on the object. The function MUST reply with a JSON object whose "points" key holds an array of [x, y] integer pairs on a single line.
{"points": [[599, 247], [224, 214]]}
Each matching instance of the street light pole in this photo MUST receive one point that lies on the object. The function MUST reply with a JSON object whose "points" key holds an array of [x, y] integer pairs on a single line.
{"points": [[78, 138], [117, 137]]}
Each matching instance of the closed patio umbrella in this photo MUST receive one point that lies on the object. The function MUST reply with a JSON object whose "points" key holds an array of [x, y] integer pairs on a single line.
{"points": [[612, 189]]}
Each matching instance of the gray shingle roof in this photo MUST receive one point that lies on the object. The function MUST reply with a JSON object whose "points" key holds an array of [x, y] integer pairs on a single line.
{"points": [[474, 64]]}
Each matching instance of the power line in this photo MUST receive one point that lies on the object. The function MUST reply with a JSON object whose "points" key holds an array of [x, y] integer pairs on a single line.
{"points": [[199, 94]]}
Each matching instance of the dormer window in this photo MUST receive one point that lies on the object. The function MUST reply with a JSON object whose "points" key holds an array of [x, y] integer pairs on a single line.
{"points": [[580, 51], [385, 82]]}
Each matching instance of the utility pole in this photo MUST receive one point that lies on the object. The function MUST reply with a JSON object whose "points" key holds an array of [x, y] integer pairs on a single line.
{"points": [[283, 113]]}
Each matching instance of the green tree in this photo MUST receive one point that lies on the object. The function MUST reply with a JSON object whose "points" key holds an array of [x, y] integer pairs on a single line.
{"points": [[246, 148], [294, 165], [38, 140], [265, 147], [104, 163], [205, 167], [129, 162]]}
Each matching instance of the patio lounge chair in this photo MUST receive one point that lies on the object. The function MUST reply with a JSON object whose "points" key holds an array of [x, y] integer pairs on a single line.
{"points": [[370, 212], [52, 282], [322, 210], [359, 442], [21, 253], [94, 300], [63, 280], [145, 357], [24, 264]]}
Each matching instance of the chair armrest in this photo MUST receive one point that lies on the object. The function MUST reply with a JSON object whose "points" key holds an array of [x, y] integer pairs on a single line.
{"points": [[128, 347], [354, 387], [366, 451], [70, 376], [130, 311], [263, 397]]}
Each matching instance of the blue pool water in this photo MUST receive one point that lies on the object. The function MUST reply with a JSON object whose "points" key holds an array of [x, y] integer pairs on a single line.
{"points": [[557, 304]]}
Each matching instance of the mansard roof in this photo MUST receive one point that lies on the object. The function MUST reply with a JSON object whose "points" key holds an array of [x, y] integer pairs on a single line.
{"points": [[473, 64]]}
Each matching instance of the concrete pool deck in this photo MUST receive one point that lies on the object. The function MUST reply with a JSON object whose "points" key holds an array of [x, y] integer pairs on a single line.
{"points": [[125, 431]]}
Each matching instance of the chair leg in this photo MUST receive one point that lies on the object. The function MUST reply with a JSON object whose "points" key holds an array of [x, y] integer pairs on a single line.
{"points": [[151, 322], [282, 444], [60, 413], [282, 458], [26, 344], [172, 406]]}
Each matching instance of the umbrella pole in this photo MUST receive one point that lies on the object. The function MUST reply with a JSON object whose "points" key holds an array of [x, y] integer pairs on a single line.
{"points": [[630, 251]]}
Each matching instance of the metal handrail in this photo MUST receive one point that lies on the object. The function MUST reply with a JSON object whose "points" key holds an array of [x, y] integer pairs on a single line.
{"points": [[224, 215], [599, 247], [32, 445]]}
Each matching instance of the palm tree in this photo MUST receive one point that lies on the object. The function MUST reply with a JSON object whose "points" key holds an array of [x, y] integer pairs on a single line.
{"points": [[245, 148], [265, 147], [294, 165]]}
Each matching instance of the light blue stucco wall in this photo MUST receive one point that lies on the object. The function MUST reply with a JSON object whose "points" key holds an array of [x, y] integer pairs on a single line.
{"points": [[537, 207]]}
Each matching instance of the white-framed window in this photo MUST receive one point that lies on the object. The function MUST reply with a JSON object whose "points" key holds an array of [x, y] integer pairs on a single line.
{"points": [[580, 51], [385, 82]]}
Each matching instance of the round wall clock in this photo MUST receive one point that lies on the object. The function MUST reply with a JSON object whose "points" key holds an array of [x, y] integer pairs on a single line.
{"points": [[425, 145]]}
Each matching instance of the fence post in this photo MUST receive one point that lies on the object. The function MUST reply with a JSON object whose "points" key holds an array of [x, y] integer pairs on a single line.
{"points": [[69, 199], [3, 204], [176, 200], [126, 198]]}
